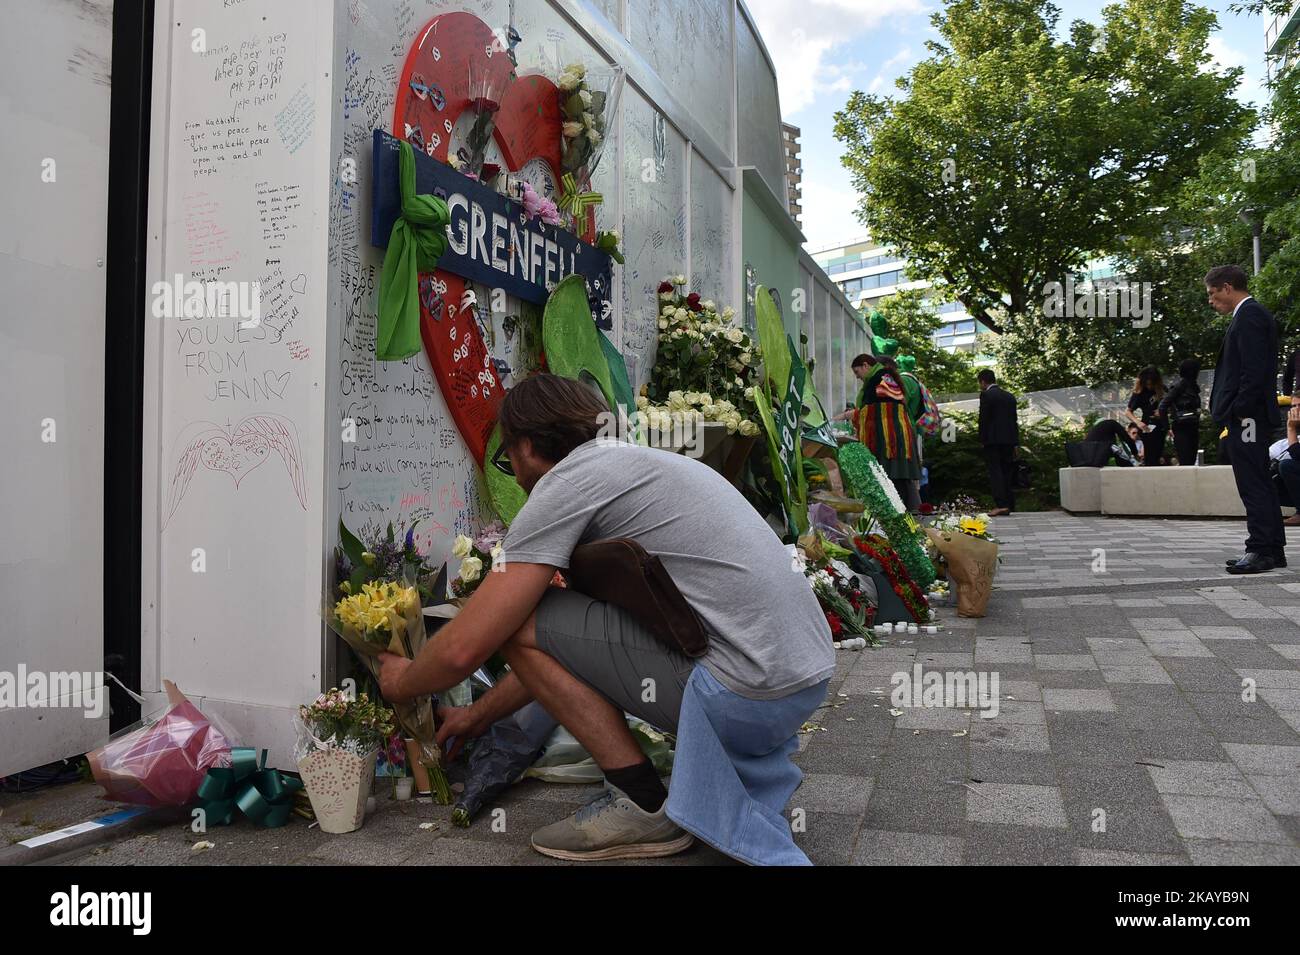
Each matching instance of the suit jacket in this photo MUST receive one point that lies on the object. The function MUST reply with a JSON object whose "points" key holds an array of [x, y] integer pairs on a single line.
{"points": [[998, 422], [1245, 380]]}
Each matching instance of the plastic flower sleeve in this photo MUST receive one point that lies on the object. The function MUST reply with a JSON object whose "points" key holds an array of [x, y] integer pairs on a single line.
{"points": [[403, 634], [162, 764]]}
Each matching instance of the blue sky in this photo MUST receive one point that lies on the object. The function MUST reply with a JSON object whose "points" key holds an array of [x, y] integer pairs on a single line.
{"points": [[833, 47]]}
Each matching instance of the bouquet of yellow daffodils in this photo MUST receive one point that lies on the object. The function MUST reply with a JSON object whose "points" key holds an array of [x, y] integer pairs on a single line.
{"points": [[385, 616]]}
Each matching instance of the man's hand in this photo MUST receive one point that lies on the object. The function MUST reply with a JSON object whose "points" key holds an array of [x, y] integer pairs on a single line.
{"points": [[391, 669], [1293, 423], [459, 722]]}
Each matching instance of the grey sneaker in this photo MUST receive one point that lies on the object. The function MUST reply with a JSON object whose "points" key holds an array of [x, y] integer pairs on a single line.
{"points": [[612, 827]]}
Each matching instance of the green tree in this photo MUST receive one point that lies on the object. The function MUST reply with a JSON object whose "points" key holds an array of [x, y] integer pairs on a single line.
{"points": [[913, 320], [1011, 156]]}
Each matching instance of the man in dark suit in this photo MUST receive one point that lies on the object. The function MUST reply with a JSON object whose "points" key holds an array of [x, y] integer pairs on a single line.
{"points": [[1000, 436], [1244, 400]]}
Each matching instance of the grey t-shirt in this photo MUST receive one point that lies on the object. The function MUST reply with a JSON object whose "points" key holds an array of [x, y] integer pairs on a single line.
{"points": [[767, 635]]}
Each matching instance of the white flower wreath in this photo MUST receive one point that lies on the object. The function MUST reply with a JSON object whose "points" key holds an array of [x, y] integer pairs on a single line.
{"points": [[884, 481]]}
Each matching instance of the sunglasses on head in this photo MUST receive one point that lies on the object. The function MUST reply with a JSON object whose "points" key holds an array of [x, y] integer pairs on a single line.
{"points": [[501, 462]]}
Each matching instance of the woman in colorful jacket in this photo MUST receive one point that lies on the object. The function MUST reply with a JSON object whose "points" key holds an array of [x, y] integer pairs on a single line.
{"points": [[884, 425]]}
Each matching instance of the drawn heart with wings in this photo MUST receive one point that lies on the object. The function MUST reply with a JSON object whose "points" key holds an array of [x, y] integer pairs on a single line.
{"points": [[236, 452]]}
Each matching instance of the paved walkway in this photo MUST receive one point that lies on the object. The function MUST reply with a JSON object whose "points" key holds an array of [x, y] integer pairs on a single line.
{"points": [[1121, 734]]}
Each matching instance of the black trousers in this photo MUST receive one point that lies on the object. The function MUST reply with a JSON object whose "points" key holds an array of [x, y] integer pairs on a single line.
{"points": [[1187, 434], [1001, 462], [1153, 444], [1264, 531]]}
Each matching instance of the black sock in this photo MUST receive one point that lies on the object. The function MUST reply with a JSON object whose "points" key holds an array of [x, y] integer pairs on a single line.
{"points": [[641, 784]]}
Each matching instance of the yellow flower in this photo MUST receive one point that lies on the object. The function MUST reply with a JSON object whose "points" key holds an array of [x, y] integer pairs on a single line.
{"points": [[973, 526]]}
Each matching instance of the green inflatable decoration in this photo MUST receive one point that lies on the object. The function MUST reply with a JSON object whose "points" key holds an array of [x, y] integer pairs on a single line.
{"points": [[771, 339], [574, 346], [572, 340], [883, 345], [504, 492], [867, 482], [782, 371]]}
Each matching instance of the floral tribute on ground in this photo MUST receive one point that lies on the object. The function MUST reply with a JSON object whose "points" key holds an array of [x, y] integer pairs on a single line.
{"points": [[968, 551], [901, 583], [849, 610], [379, 608], [338, 739], [868, 482]]}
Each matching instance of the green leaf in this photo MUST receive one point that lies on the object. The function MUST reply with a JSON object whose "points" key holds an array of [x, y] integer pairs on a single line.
{"points": [[771, 337], [352, 546]]}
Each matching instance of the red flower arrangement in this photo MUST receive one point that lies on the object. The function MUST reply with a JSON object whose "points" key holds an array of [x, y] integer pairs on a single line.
{"points": [[693, 302], [878, 549], [665, 287], [836, 625]]}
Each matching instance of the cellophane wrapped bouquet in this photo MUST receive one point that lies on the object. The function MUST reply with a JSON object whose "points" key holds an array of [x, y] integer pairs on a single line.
{"points": [[386, 616]]}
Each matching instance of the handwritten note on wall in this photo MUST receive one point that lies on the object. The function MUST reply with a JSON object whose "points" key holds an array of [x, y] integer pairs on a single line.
{"points": [[279, 208], [294, 122], [243, 108]]}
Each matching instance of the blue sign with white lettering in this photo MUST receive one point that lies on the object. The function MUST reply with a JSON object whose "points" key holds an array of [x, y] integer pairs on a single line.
{"points": [[490, 238]]}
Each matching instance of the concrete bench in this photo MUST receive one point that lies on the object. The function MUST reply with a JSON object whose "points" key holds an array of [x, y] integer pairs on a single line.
{"points": [[1157, 492]]}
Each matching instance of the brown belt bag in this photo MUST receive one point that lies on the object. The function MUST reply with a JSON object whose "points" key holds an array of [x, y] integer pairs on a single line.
{"points": [[620, 571]]}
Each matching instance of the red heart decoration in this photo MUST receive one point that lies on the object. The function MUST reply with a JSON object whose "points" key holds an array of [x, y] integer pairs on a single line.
{"points": [[434, 91]]}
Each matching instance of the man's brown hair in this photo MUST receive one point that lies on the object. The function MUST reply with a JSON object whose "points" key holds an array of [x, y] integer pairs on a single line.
{"points": [[863, 359], [1232, 275], [556, 414]]}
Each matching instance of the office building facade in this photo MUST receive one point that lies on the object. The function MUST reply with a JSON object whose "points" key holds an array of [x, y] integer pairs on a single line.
{"points": [[869, 272]]}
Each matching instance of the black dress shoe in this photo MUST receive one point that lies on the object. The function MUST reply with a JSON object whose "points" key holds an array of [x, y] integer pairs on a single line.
{"points": [[1253, 564], [1278, 562]]}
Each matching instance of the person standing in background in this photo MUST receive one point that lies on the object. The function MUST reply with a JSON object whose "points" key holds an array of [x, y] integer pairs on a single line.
{"points": [[883, 422], [1000, 436], [915, 405], [1291, 375], [1148, 392], [1243, 398], [1181, 407]]}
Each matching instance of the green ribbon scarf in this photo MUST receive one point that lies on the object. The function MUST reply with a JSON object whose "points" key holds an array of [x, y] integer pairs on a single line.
{"points": [[264, 795], [418, 240]]}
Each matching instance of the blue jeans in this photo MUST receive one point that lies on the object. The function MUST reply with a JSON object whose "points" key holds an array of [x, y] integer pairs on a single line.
{"points": [[732, 774]]}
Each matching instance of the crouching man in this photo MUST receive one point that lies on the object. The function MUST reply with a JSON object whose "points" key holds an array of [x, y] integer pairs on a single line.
{"points": [[736, 714]]}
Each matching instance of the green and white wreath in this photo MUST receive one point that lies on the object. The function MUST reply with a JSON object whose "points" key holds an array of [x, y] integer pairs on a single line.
{"points": [[869, 483]]}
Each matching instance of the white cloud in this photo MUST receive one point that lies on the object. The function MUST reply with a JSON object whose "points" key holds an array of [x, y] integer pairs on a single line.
{"points": [[828, 217], [889, 69], [1226, 56], [800, 43]]}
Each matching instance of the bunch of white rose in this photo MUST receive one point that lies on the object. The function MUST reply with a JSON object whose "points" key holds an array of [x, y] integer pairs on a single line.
{"points": [[689, 407], [705, 362]]}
